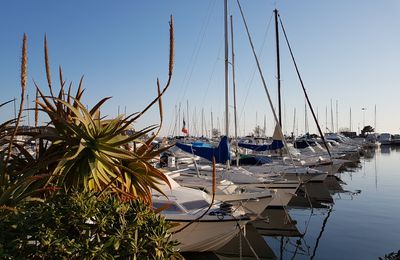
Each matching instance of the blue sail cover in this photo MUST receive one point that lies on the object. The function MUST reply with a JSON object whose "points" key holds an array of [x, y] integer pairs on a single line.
{"points": [[253, 160], [275, 145], [221, 153]]}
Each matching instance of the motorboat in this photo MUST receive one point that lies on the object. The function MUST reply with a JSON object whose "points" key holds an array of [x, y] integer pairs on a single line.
{"points": [[198, 223], [252, 201]]}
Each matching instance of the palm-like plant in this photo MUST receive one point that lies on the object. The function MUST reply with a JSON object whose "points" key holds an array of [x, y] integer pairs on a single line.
{"points": [[88, 152]]}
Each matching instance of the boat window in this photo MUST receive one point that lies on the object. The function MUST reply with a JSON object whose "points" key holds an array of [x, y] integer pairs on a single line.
{"points": [[168, 207], [196, 204]]}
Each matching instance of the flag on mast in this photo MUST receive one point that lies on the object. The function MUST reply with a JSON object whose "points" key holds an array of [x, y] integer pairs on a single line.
{"points": [[184, 129]]}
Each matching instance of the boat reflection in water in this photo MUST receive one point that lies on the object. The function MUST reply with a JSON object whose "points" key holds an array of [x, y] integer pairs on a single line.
{"points": [[385, 149], [277, 226], [330, 230], [248, 245]]}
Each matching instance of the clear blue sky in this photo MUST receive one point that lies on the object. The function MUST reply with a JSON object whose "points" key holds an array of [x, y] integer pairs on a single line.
{"points": [[346, 51]]}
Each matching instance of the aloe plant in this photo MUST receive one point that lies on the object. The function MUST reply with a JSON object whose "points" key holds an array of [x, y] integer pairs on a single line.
{"points": [[89, 152], [79, 149]]}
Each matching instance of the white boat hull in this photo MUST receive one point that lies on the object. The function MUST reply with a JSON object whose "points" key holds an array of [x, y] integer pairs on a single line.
{"points": [[205, 235]]}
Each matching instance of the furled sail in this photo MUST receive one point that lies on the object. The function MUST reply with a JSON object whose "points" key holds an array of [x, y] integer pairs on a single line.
{"points": [[220, 153]]}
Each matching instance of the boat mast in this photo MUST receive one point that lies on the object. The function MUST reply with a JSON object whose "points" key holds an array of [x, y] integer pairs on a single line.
{"points": [[202, 122], [350, 121], [256, 119], [212, 125], [176, 117], [194, 132], [234, 95], [326, 119], [265, 126], [244, 123], [337, 116], [179, 119], [226, 73], [305, 118], [187, 112], [278, 67], [294, 124], [375, 118], [332, 126], [27, 109]]}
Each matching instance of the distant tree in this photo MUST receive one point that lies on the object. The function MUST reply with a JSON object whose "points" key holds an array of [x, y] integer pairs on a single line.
{"points": [[215, 133], [367, 129], [258, 131]]}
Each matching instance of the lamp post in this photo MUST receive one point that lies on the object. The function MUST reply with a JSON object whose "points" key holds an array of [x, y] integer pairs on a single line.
{"points": [[363, 109]]}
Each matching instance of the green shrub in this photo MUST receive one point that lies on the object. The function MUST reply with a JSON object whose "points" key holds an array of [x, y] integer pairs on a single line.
{"points": [[79, 226]]}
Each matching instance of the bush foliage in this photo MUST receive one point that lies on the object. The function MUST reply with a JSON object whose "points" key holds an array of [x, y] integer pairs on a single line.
{"points": [[79, 226]]}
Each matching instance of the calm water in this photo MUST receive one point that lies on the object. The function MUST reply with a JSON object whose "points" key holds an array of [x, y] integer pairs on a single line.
{"points": [[363, 222]]}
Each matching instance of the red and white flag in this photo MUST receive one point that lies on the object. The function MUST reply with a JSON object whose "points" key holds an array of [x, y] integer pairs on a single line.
{"points": [[184, 129]]}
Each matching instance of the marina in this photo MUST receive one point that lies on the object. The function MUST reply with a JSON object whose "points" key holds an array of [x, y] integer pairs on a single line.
{"points": [[193, 173], [360, 222]]}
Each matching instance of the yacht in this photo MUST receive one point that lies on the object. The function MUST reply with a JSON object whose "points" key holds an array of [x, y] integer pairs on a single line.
{"points": [[198, 223]]}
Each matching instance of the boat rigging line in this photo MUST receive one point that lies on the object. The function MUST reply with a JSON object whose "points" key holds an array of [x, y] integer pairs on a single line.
{"points": [[196, 51], [250, 81], [321, 232], [265, 87], [304, 89]]}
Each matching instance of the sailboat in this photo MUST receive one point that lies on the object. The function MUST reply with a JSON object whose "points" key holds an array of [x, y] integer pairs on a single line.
{"points": [[247, 181], [198, 224], [238, 175]]}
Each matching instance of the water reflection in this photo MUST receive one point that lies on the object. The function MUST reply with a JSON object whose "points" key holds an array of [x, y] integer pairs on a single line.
{"points": [[249, 246], [312, 195], [334, 184], [385, 149], [369, 154], [330, 220], [277, 222], [316, 201], [321, 232], [395, 148]]}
